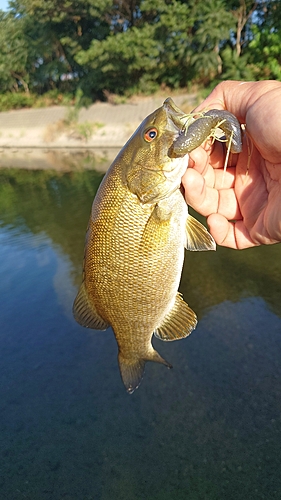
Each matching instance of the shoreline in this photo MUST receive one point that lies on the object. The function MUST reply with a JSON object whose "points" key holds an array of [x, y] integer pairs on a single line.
{"points": [[45, 137], [59, 159]]}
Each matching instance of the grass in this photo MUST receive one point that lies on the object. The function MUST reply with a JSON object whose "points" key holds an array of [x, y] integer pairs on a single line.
{"points": [[72, 128]]}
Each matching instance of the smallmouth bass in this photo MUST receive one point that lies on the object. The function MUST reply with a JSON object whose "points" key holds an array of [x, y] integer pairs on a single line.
{"points": [[134, 250]]}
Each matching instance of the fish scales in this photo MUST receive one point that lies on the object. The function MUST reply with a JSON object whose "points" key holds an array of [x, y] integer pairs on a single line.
{"points": [[119, 284], [134, 249]]}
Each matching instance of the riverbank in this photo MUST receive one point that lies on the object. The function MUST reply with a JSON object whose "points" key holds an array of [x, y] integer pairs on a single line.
{"points": [[51, 138]]}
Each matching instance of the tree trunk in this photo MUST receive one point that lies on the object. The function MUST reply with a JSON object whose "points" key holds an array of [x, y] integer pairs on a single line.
{"points": [[21, 80], [242, 17]]}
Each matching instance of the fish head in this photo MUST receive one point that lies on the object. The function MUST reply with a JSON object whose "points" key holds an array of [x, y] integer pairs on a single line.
{"points": [[150, 170]]}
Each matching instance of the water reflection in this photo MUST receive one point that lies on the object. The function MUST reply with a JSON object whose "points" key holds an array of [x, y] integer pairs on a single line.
{"points": [[232, 275], [57, 204], [209, 429]]}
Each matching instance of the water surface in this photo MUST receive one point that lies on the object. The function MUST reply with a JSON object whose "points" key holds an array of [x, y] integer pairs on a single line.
{"points": [[207, 430]]}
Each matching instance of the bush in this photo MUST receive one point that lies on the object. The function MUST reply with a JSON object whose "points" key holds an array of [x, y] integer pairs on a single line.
{"points": [[16, 101], [19, 100], [53, 98]]}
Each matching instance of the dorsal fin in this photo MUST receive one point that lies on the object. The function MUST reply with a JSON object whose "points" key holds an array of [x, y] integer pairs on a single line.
{"points": [[178, 323], [85, 313], [197, 236]]}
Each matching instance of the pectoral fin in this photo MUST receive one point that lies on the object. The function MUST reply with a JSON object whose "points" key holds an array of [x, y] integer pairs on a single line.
{"points": [[178, 323], [85, 313], [197, 236], [149, 186]]}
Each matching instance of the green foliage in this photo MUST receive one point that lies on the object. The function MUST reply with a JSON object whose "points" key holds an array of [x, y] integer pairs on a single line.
{"points": [[128, 53], [213, 27], [14, 54], [55, 48], [235, 67], [19, 100], [52, 98], [85, 130], [152, 53], [73, 111], [265, 49], [16, 101]]}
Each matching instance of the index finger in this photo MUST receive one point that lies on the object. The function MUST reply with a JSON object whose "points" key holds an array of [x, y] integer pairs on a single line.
{"points": [[237, 97]]}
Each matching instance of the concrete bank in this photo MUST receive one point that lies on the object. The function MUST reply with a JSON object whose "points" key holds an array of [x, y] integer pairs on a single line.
{"points": [[39, 138]]}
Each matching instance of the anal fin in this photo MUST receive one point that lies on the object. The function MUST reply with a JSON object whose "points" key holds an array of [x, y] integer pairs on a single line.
{"points": [[198, 237], [85, 313], [178, 323]]}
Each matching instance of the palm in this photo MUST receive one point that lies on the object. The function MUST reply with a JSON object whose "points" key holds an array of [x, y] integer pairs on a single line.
{"points": [[244, 206], [258, 198]]}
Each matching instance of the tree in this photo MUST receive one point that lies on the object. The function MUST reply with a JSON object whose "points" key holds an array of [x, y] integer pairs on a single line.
{"points": [[211, 31], [265, 47], [154, 49], [58, 30], [243, 11], [127, 46], [14, 54]]}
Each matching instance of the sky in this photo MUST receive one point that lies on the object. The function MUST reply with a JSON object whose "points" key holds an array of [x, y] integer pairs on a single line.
{"points": [[3, 4]]}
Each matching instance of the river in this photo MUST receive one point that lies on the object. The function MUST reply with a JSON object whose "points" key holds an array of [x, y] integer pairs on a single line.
{"points": [[210, 429]]}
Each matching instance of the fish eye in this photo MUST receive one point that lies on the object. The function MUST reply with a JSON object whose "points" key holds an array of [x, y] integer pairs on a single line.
{"points": [[150, 134]]}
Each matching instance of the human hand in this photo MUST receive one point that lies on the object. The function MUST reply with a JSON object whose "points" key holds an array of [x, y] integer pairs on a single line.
{"points": [[244, 208]]}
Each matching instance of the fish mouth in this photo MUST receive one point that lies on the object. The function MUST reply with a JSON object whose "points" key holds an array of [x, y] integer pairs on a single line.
{"points": [[174, 113], [175, 118]]}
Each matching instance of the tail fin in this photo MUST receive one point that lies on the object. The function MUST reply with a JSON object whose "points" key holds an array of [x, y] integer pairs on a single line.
{"points": [[132, 369]]}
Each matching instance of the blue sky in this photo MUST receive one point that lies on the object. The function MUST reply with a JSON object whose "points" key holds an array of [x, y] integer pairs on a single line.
{"points": [[3, 4]]}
